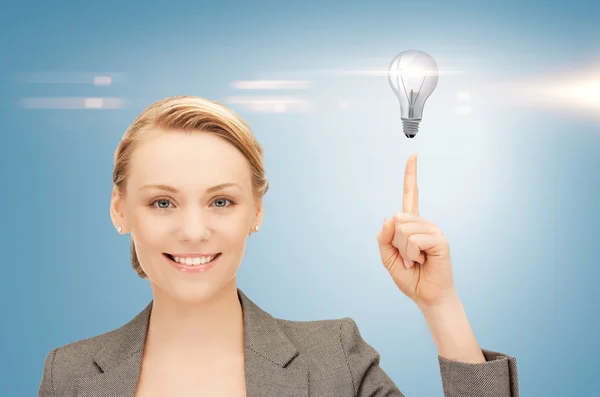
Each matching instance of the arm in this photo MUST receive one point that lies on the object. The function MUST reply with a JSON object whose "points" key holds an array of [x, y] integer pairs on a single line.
{"points": [[417, 255], [466, 369], [497, 377], [451, 330], [46, 388]]}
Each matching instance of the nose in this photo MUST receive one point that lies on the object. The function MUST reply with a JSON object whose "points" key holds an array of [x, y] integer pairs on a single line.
{"points": [[194, 227]]}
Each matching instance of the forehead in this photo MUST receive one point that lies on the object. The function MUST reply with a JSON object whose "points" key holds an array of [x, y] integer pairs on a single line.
{"points": [[183, 159]]}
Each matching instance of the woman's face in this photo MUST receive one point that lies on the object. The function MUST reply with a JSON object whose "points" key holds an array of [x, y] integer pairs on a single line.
{"points": [[188, 200]]}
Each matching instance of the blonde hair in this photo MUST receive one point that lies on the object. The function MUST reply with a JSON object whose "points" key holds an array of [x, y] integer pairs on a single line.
{"points": [[189, 114]]}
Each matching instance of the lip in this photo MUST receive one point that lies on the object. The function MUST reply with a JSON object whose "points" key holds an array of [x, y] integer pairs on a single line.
{"points": [[196, 255], [192, 269]]}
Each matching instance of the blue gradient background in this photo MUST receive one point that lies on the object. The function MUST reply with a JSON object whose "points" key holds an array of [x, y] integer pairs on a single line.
{"points": [[514, 188]]}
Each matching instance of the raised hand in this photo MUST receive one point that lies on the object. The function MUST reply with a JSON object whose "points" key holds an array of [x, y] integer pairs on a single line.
{"points": [[414, 250]]}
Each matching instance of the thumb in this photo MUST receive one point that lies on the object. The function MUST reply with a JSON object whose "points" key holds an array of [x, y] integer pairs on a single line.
{"points": [[384, 239]]}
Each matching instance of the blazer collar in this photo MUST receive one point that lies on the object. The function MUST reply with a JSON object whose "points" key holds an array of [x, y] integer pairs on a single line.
{"points": [[268, 355]]}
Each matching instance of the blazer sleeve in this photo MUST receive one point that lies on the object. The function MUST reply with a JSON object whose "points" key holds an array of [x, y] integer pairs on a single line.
{"points": [[46, 388], [497, 377]]}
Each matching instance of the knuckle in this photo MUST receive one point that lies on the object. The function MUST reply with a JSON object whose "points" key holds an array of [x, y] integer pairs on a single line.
{"points": [[433, 227], [402, 228], [404, 217], [398, 216]]}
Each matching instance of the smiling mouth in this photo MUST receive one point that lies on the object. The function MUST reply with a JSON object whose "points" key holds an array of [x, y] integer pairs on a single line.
{"points": [[192, 261]]}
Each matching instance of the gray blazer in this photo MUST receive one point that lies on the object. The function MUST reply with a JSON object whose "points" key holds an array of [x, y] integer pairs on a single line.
{"points": [[282, 359]]}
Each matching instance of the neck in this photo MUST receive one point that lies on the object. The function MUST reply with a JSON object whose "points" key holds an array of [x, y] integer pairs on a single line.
{"points": [[215, 325]]}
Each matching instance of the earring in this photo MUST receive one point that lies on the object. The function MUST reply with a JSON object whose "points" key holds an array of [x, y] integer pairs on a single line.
{"points": [[256, 228], [119, 229]]}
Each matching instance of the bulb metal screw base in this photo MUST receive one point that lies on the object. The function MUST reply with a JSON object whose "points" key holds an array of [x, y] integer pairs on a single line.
{"points": [[410, 127]]}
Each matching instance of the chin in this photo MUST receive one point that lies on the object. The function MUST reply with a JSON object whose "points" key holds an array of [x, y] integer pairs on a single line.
{"points": [[188, 294], [198, 292], [196, 286]]}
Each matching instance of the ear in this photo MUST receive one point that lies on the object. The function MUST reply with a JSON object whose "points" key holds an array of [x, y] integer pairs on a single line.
{"points": [[259, 214], [116, 212]]}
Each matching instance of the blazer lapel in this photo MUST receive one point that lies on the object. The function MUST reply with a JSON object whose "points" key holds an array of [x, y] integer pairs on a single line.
{"points": [[272, 365], [119, 359]]}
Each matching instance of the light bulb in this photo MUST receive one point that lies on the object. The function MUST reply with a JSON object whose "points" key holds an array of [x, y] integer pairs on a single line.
{"points": [[413, 75]]}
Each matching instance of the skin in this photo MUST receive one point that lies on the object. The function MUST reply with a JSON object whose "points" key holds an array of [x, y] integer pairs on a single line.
{"points": [[199, 315], [193, 315], [417, 255]]}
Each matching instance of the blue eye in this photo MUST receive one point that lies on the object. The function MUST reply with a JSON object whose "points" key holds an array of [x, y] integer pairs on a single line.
{"points": [[222, 202], [166, 204], [163, 204]]}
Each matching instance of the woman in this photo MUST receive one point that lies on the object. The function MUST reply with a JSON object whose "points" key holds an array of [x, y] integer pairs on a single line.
{"points": [[188, 186]]}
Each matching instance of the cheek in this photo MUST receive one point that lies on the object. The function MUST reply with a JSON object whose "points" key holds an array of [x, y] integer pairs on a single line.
{"points": [[150, 229], [234, 229]]}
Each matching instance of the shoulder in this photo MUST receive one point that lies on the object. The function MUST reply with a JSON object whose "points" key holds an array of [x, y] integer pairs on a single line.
{"points": [[339, 358], [340, 334], [334, 348], [80, 349], [65, 364], [341, 331], [322, 340]]}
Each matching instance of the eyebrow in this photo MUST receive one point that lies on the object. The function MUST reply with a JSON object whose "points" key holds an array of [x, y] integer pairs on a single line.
{"points": [[174, 190]]}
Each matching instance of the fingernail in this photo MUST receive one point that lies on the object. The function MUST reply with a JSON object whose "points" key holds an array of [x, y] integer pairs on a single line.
{"points": [[406, 264]]}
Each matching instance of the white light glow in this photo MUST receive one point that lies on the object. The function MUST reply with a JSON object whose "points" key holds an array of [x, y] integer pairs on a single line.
{"points": [[70, 78], [72, 103], [405, 72], [102, 80], [463, 96], [575, 91], [344, 105], [464, 110], [271, 104], [270, 84]]}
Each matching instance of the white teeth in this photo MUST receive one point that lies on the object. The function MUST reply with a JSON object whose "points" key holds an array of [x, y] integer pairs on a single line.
{"points": [[198, 260]]}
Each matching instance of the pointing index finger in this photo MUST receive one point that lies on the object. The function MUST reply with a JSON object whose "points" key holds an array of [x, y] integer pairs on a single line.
{"points": [[410, 200]]}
